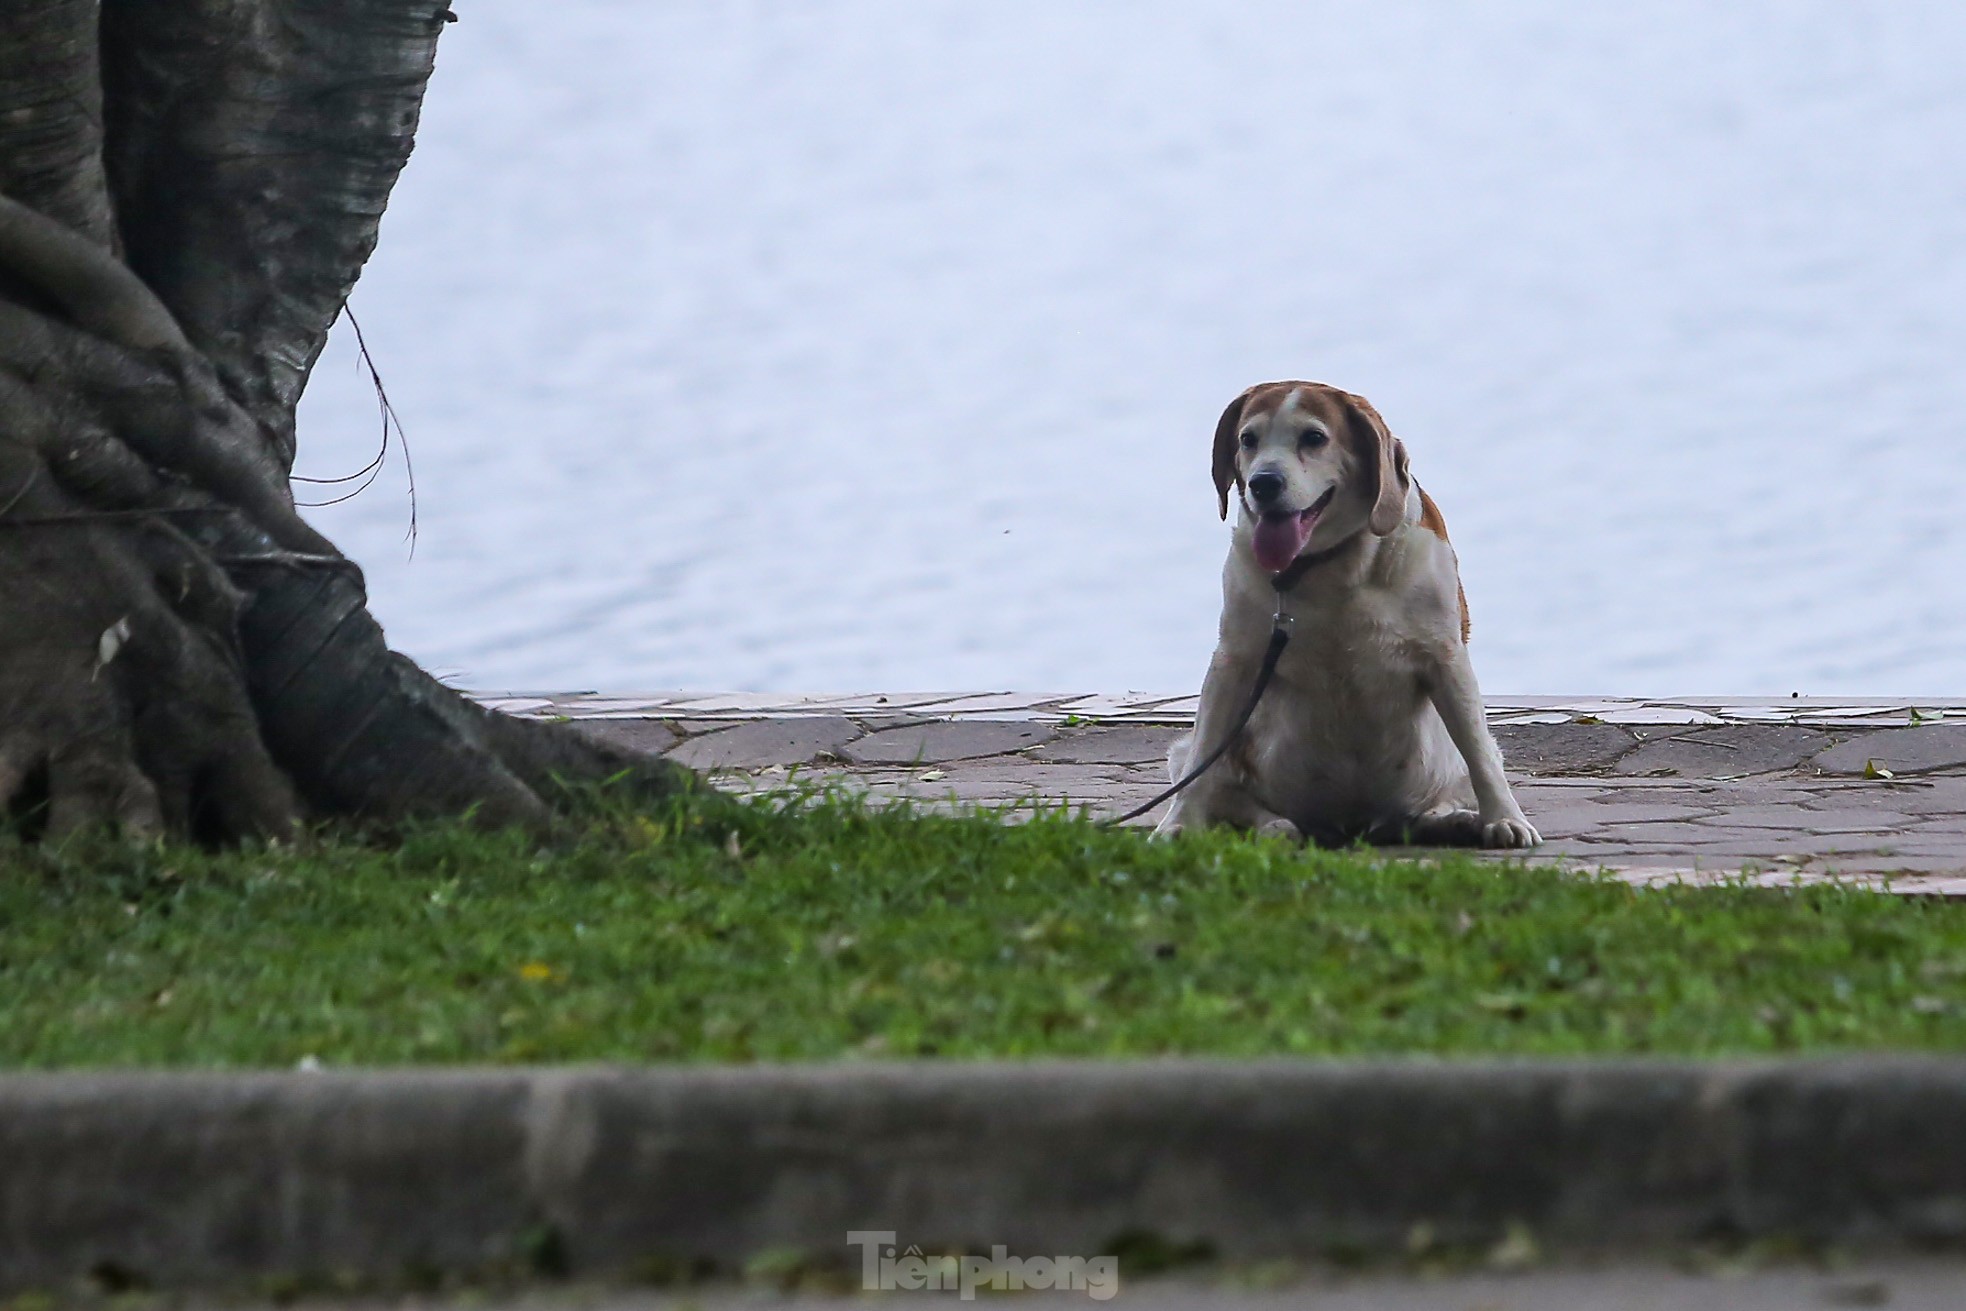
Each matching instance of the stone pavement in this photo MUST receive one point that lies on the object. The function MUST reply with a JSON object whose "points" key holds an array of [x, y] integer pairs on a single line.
{"points": [[1779, 791]]}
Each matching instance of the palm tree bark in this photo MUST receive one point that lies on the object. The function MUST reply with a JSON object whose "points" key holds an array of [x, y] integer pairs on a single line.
{"points": [[191, 189]]}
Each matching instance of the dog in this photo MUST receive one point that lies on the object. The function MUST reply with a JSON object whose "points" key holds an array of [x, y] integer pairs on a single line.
{"points": [[1373, 725]]}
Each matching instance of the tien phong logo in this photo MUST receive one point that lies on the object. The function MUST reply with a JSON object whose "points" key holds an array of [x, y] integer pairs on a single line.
{"points": [[884, 1266]]}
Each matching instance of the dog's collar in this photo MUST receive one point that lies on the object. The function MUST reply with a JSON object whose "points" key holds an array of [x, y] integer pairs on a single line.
{"points": [[1293, 573]]}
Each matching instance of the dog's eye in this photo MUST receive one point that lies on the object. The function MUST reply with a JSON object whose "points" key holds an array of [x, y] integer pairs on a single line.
{"points": [[1312, 439], [1249, 441]]}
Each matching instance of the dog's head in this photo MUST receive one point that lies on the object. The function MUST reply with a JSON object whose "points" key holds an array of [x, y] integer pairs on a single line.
{"points": [[1302, 453]]}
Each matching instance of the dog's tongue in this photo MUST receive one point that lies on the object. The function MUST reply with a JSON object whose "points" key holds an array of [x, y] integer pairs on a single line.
{"points": [[1280, 537]]}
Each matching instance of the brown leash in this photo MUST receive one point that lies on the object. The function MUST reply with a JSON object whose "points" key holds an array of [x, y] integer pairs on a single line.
{"points": [[1283, 581]]}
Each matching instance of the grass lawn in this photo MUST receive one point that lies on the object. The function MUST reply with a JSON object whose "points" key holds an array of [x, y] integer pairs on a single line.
{"points": [[710, 931]]}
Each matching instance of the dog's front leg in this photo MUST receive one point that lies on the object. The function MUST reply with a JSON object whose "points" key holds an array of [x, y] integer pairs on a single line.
{"points": [[1219, 795], [1196, 806], [1457, 697]]}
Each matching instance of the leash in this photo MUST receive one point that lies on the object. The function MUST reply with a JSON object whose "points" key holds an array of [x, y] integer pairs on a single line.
{"points": [[1279, 638]]}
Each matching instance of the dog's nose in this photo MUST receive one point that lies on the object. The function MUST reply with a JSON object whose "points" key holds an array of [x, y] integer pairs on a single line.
{"points": [[1265, 487]]}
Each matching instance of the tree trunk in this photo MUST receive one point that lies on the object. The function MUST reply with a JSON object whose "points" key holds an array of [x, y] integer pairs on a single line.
{"points": [[190, 190]]}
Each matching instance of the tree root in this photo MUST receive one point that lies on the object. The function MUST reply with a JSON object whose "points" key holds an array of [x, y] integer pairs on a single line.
{"points": [[120, 702], [221, 447], [179, 650], [111, 512]]}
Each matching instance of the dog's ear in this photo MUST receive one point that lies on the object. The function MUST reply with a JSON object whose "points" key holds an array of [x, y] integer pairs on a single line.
{"points": [[1227, 439], [1384, 457]]}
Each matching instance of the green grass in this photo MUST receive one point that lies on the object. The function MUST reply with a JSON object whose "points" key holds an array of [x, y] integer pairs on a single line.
{"points": [[834, 931]]}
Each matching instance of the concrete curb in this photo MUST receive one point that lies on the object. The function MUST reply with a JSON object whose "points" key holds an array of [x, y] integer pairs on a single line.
{"points": [[182, 1179]]}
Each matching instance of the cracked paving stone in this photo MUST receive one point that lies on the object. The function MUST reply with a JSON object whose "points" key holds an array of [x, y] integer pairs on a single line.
{"points": [[1562, 748], [1933, 806], [765, 742], [1813, 820], [698, 727], [1937, 796], [1672, 833], [1887, 864], [1127, 744], [1724, 750], [1943, 844], [1870, 794], [939, 743], [651, 735], [1769, 844], [1935, 826], [1569, 846], [1610, 856], [1605, 814], [992, 770], [1556, 822], [1901, 750]]}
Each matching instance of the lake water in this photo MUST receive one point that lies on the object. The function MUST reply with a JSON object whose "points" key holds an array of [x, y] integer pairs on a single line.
{"points": [[860, 344]]}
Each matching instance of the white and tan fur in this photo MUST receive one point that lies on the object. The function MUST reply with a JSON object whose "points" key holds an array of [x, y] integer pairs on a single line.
{"points": [[1373, 725]]}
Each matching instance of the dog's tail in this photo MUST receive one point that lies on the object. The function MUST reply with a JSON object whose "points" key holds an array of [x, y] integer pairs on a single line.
{"points": [[1178, 756]]}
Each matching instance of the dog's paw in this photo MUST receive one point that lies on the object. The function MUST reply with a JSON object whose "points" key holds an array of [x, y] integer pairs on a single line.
{"points": [[1276, 826], [1165, 830], [1508, 833]]}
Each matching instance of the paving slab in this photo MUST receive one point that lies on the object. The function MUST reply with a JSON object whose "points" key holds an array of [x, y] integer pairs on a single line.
{"points": [[1564, 747], [1902, 750], [1607, 811], [1942, 794], [654, 736], [1702, 788], [1839, 819], [763, 742], [1869, 848], [937, 743], [1726, 750], [1122, 744]]}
